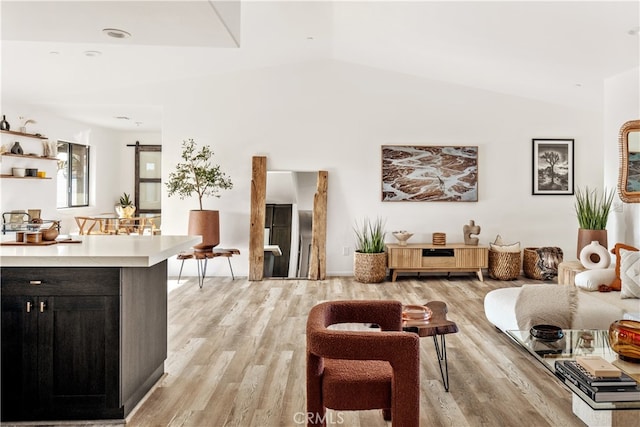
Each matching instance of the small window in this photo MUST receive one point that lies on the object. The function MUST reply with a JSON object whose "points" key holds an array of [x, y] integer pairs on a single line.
{"points": [[73, 175]]}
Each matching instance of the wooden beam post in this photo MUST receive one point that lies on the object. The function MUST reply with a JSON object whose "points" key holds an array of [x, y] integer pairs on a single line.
{"points": [[318, 261], [256, 231]]}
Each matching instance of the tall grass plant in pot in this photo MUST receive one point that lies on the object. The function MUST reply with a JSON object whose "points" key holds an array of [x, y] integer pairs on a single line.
{"points": [[370, 258], [198, 175], [592, 210]]}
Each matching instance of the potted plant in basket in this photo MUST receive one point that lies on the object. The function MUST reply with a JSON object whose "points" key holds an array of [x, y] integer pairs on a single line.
{"points": [[592, 210], [197, 175], [125, 207], [370, 259]]}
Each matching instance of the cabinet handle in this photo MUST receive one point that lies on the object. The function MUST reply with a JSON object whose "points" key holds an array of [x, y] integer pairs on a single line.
{"points": [[43, 306], [35, 282], [29, 306]]}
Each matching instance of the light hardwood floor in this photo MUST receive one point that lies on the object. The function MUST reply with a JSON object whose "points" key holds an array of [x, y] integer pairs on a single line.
{"points": [[237, 358]]}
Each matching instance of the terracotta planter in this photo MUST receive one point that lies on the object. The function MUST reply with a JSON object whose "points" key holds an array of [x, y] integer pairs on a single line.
{"points": [[205, 223], [369, 268], [586, 236]]}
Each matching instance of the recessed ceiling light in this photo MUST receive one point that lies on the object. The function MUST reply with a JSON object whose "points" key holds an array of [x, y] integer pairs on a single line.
{"points": [[92, 53], [116, 33], [122, 118], [54, 52], [634, 31]]}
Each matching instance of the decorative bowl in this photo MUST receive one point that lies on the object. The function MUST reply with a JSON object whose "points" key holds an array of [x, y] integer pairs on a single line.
{"points": [[416, 312], [49, 234], [402, 237], [546, 332], [624, 339]]}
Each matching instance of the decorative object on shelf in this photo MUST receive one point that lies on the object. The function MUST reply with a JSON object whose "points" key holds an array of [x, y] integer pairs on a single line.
{"points": [[592, 210], [402, 237], [45, 149], [624, 339], [468, 230], [439, 239], [18, 172], [31, 172], [125, 208], [16, 149], [42, 174], [23, 128], [595, 256], [4, 124], [429, 173], [370, 259], [53, 149], [197, 175], [552, 167]]}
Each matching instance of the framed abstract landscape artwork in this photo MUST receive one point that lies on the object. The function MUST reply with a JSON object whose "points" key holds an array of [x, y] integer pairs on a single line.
{"points": [[425, 173], [552, 166]]}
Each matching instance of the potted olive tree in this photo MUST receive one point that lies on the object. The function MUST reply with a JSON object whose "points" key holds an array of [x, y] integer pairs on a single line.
{"points": [[197, 175], [592, 210], [370, 258]]}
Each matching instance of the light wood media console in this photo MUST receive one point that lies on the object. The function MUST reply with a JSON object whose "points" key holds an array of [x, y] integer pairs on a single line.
{"points": [[424, 257]]}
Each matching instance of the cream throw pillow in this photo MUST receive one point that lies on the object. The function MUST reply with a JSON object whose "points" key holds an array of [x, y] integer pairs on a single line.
{"points": [[589, 280], [629, 274], [499, 246]]}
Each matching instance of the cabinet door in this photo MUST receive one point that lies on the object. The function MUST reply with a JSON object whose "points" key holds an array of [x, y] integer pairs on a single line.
{"points": [[405, 258], [78, 344], [19, 357]]}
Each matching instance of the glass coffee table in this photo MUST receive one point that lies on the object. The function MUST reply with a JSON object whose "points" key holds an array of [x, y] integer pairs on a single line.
{"points": [[582, 343]]}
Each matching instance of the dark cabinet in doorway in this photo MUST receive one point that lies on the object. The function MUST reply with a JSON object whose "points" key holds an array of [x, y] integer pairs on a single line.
{"points": [[278, 221]]}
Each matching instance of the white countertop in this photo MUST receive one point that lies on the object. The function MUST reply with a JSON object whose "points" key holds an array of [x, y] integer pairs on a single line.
{"points": [[98, 251], [275, 249]]}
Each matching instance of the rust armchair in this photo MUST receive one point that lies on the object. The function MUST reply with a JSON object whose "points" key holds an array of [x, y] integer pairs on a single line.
{"points": [[361, 370]]}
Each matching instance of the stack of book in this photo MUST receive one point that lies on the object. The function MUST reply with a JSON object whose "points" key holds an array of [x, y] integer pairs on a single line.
{"points": [[608, 384]]}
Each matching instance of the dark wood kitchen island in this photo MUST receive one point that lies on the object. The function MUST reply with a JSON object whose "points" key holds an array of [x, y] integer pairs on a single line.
{"points": [[84, 325]]}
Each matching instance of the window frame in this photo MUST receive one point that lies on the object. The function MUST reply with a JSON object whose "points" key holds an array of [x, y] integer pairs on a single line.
{"points": [[70, 182]]}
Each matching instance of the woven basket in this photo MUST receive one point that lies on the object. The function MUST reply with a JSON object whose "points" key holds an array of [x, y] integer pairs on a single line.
{"points": [[530, 264], [369, 268], [504, 265]]}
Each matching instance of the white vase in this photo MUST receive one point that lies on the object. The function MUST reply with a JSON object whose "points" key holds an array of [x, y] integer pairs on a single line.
{"points": [[125, 211]]}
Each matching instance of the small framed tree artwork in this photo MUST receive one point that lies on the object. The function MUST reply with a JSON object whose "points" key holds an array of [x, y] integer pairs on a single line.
{"points": [[552, 167]]}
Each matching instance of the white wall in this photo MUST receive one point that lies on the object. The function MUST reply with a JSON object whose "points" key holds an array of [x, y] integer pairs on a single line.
{"points": [[335, 116], [622, 103]]}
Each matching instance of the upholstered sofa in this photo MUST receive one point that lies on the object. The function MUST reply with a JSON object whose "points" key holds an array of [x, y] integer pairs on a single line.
{"points": [[592, 309], [595, 310]]}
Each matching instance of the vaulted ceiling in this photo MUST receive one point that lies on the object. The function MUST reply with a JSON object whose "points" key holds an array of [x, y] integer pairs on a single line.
{"points": [[554, 51]]}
